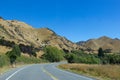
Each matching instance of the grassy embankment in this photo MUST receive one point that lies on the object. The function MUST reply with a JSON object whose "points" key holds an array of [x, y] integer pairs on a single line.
{"points": [[101, 72], [22, 60]]}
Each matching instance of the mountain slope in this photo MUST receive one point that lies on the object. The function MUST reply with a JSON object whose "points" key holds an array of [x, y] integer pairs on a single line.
{"points": [[104, 42], [22, 33]]}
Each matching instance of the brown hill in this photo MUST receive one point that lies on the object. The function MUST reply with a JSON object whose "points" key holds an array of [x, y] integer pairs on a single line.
{"points": [[22, 33], [103, 42]]}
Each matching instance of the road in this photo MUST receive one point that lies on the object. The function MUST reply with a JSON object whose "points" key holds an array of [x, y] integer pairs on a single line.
{"points": [[41, 72]]}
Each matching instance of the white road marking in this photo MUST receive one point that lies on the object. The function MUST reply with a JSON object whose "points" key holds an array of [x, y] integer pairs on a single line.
{"points": [[15, 73]]}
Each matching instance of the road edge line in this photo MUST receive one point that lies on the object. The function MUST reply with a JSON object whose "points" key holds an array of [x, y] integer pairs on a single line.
{"points": [[15, 73]]}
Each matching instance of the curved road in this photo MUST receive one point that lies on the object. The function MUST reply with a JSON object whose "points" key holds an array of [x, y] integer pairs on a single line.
{"points": [[41, 72]]}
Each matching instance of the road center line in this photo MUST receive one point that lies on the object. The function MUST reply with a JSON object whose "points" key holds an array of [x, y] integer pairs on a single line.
{"points": [[15, 73], [52, 76]]}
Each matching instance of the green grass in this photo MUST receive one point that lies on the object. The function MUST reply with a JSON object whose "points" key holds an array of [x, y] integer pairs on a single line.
{"points": [[29, 60], [22, 60], [4, 60]]}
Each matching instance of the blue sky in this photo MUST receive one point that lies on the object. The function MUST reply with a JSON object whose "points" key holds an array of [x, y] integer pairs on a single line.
{"points": [[74, 19]]}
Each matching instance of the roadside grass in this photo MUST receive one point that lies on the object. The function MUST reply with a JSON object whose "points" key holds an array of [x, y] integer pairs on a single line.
{"points": [[4, 63], [20, 61], [29, 60], [101, 72], [4, 69], [9, 67], [4, 60]]}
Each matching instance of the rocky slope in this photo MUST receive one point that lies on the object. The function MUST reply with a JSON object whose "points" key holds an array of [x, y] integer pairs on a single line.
{"points": [[22, 33], [104, 42]]}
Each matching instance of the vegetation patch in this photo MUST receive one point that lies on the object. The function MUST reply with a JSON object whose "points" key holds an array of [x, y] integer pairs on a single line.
{"points": [[14, 57], [53, 54], [100, 58], [4, 60], [29, 60], [81, 57]]}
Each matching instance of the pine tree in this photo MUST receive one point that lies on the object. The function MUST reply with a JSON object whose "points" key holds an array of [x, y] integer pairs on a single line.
{"points": [[100, 53]]}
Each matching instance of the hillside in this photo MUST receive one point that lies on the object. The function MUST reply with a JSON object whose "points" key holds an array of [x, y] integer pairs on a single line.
{"points": [[23, 34], [104, 42]]}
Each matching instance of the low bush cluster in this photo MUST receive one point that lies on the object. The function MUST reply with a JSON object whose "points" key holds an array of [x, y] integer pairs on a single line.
{"points": [[81, 57], [53, 54], [100, 58]]}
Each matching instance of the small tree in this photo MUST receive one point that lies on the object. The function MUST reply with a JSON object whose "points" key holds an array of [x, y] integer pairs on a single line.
{"points": [[72, 58], [52, 54], [17, 50], [100, 53], [13, 54], [34, 53]]}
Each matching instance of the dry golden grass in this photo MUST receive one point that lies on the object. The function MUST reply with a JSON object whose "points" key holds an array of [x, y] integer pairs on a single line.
{"points": [[4, 49], [4, 69], [111, 72]]}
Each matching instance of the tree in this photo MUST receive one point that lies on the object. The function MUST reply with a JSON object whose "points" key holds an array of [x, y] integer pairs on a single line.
{"points": [[13, 54], [17, 50], [100, 53], [52, 54], [34, 53], [72, 58]]}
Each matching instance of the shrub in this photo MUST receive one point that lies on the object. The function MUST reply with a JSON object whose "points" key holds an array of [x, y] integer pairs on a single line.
{"points": [[111, 59], [81, 57], [52, 54], [72, 58], [13, 54], [4, 60]]}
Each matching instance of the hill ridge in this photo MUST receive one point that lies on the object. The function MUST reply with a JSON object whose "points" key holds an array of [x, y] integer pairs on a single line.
{"points": [[22, 33], [104, 42]]}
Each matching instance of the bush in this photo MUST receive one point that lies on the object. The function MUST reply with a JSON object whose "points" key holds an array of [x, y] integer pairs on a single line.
{"points": [[4, 60], [101, 58], [81, 57], [53, 54], [13, 54], [72, 58], [111, 59]]}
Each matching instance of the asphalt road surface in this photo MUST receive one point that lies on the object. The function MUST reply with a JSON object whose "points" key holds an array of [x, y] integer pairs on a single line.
{"points": [[41, 72]]}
